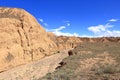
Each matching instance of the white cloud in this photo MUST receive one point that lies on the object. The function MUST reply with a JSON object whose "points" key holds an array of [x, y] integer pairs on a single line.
{"points": [[99, 28], [58, 32], [104, 30], [68, 24], [45, 24], [113, 33], [113, 20], [88, 36], [41, 20], [58, 29]]}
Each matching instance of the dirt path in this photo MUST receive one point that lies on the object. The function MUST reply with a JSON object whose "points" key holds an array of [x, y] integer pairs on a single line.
{"points": [[36, 69]]}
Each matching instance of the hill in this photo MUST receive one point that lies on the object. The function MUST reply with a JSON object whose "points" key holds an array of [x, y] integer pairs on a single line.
{"points": [[22, 38]]}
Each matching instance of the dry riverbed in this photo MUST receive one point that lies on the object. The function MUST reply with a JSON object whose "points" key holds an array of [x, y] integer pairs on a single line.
{"points": [[36, 69]]}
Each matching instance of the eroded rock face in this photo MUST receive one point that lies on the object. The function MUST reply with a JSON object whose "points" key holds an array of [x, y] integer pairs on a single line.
{"points": [[65, 42], [22, 39]]}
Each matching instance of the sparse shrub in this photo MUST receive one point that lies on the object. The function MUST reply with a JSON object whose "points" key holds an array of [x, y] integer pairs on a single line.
{"points": [[70, 52], [49, 76], [61, 65], [99, 71], [106, 69], [61, 76]]}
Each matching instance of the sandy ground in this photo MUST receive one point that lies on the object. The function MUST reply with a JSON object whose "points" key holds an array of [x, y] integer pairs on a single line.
{"points": [[34, 70]]}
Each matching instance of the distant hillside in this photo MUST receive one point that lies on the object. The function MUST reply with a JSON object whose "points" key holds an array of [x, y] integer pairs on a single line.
{"points": [[65, 42]]}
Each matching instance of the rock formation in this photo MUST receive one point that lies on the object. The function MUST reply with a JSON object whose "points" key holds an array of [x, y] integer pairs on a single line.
{"points": [[22, 39], [65, 42]]}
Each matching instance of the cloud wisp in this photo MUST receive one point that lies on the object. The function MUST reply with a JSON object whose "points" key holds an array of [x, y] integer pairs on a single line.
{"points": [[113, 20], [99, 28], [67, 23], [58, 32], [104, 30], [42, 21]]}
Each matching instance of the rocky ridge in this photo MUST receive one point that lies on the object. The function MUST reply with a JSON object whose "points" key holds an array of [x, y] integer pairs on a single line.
{"points": [[65, 42]]}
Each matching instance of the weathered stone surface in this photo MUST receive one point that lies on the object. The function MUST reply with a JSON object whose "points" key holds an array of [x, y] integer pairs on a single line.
{"points": [[22, 39]]}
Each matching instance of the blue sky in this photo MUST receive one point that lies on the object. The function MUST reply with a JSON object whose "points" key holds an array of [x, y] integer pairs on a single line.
{"points": [[90, 18]]}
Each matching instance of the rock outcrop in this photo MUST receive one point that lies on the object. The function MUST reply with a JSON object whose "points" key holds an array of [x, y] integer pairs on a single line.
{"points": [[64, 42], [22, 39]]}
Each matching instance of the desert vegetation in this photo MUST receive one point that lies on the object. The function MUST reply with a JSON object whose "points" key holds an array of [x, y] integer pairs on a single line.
{"points": [[93, 61]]}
